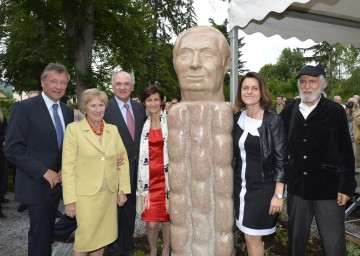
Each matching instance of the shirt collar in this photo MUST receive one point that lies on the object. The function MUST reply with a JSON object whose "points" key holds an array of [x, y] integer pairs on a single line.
{"points": [[121, 104], [48, 101]]}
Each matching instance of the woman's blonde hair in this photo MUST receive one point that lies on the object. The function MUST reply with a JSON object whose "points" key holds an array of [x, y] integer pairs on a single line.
{"points": [[89, 95]]}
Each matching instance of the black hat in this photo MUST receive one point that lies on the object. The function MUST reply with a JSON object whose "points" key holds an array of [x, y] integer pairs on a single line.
{"points": [[312, 71]]}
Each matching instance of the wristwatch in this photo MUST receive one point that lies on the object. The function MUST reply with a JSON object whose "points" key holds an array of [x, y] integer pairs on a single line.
{"points": [[280, 196]]}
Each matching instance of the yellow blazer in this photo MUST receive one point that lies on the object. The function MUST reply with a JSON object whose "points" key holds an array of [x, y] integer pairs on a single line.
{"points": [[85, 161]]}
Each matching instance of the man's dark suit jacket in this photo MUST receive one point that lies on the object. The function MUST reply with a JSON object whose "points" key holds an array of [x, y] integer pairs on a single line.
{"points": [[127, 213], [113, 116], [31, 144]]}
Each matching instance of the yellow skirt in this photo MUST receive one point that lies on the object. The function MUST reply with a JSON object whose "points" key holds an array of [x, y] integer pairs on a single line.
{"points": [[96, 218]]}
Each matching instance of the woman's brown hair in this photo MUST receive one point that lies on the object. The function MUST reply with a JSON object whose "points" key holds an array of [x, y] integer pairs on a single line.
{"points": [[150, 90], [265, 100]]}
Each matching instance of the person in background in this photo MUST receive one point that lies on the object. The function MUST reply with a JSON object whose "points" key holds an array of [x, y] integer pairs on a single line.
{"points": [[33, 94], [93, 183], [153, 185], [337, 99], [353, 115], [135, 98], [259, 174], [279, 105], [33, 144], [320, 178], [167, 106], [78, 116], [3, 164], [129, 117], [174, 101]]}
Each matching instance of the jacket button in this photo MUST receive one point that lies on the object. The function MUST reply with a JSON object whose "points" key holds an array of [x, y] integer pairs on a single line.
{"points": [[305, 124], [305, 157], [304, 140], [305, 173], [102, 158]]}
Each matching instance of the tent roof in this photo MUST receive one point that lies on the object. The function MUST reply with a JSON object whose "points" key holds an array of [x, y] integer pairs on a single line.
{"points": [[334, 21]]}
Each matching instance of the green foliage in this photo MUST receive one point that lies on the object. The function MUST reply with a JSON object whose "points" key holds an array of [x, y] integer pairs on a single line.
{"points": [[91, 38], [281, 234], [241, 64], [280, 77], [6, 105], [352, 250], [139, 253], [342, 64]]}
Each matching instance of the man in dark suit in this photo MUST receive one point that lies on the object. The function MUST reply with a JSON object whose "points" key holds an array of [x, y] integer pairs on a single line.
{"points": [[116, 113], [33, 143]]}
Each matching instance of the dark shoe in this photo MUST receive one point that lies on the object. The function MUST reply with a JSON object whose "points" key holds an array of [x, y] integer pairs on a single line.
{"points": [[22, 208], [58, 214], [2, 215], [5, 200], [66, 240]]}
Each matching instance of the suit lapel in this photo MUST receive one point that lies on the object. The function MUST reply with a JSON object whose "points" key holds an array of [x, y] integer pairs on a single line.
{"points": [[46, 118], [92, 138], [119, 119], [68, 118], [105, 138], [138, 122]]}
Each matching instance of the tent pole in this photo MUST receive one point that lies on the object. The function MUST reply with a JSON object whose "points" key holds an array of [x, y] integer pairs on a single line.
{"points": [[234, 63]]}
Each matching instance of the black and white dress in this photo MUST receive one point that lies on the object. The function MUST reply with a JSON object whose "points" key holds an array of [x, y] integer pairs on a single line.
{"points": [[252, 195]]}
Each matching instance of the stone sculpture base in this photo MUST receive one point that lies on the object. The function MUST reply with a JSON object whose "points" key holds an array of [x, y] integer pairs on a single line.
{"points": [[201, 178]]}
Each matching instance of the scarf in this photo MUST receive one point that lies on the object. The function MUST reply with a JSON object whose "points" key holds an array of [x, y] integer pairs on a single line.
{"points": [[143, 186]]}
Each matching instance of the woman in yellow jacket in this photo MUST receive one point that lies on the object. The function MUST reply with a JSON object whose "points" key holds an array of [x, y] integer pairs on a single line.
{"points": [[93, 183]]}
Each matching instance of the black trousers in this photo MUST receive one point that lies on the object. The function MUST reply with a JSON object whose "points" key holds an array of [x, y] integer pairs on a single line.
{"points": [[42, 222], [124, 245], [64, 227], [329, 219]]}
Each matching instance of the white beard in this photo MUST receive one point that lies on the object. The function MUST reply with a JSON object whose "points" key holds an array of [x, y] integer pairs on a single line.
{"points": [[309, 99]]}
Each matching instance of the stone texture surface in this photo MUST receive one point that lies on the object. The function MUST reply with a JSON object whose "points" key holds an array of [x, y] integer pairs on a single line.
{"points": [[201, 178]]}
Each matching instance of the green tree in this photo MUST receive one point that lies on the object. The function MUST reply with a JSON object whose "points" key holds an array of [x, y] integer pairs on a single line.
{"points": [[280, 77], [331, 58], [241, 64], [91, 37]]}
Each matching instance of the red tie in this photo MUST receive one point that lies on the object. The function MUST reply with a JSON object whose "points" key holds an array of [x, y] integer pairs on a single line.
{"points": [[130, 121]]}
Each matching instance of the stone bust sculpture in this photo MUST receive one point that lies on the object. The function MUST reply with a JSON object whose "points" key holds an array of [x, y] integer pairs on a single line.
{"points": [[200, 147]]}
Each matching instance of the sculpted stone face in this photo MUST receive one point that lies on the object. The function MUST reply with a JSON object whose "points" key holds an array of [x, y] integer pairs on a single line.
{"points": [[201, 60]]}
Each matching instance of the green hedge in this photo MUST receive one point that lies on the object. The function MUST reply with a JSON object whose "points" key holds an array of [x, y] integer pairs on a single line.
{"points": [[6, 105]]}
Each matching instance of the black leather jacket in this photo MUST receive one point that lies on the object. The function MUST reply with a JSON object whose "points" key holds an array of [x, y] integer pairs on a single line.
{"points": [[273, 146]]}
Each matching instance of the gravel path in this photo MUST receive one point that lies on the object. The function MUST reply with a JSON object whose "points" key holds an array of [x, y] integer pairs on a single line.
{"points": [[14, 228]]}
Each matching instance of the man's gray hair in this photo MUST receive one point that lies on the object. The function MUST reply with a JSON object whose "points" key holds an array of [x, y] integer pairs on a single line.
{"points": [[120, 71], [322, 80]]}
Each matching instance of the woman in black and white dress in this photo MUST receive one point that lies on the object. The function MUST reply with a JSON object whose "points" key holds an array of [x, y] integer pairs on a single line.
{"points": [[260, 159]]}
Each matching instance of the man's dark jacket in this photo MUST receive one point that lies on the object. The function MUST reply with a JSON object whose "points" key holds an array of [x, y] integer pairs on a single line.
{"points": [[321, 158]]}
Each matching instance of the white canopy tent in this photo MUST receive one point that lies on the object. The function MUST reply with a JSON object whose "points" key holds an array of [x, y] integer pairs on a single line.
{"points": [[333, 21]]}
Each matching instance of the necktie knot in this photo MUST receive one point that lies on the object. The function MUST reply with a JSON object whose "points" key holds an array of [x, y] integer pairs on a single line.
{"points": [[126, 106]]}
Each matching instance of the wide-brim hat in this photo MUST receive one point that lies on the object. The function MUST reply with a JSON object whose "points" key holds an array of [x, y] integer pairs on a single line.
{"points": [[312, 71]]}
